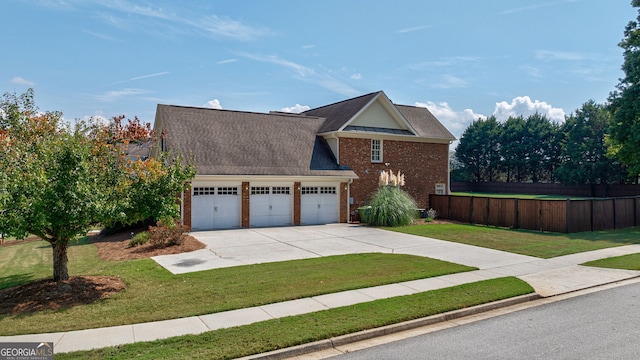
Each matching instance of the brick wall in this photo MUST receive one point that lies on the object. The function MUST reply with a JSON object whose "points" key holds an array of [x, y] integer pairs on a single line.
{"points": [[186, 207], [424, 165]]}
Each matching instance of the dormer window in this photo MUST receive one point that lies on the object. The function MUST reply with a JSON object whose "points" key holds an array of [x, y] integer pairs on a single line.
{"points": [[376, 150]]}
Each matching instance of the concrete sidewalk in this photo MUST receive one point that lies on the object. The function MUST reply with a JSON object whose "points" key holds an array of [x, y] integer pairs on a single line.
{"points": [[548, 277]]}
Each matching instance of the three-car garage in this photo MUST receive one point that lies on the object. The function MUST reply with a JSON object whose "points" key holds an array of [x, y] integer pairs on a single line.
{"points": [[220, 206]]}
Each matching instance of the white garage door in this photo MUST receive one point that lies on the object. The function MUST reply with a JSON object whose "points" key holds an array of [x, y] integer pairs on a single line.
{"points": [[319, 205], [270, 206], [215, 208]]}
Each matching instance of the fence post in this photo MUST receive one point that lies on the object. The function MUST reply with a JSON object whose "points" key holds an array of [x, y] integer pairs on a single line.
{"points": [[615, 217], [568, 216], [516, 221], [471, 210]]}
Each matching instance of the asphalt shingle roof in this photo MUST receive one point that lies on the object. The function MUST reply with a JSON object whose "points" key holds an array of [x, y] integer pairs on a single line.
{"points": [[338, 114], [226, 142]]}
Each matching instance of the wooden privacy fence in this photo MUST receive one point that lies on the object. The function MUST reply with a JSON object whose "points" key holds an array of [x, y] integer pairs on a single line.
{"points": [[564, 216]]}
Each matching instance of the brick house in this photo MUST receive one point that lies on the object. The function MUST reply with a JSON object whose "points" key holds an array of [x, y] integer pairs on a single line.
{"points": [[317, 167]]}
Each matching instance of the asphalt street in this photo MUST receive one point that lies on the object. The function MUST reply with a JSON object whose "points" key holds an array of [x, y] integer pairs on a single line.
{"points": [[599, 325]]}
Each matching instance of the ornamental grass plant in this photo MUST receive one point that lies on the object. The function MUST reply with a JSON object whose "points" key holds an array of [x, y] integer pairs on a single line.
{"points": [[390, 205]]}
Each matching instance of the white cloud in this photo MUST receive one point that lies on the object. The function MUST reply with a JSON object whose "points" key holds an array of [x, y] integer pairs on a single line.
{"points": [[523, 105], [22, 81], [297, 108], [226, 61], [213, 104], [356, 76], [451, 82], [414, 28], [116, 94], [321, 78], [559, 55], [454, 121]]}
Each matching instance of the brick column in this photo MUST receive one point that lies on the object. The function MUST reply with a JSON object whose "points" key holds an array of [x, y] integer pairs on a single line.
{"points": [[297, 212], [186, 207], [344, 202], [246, 197]]}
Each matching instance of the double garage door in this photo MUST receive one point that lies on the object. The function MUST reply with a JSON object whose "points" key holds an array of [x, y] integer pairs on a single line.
{"points": [[220, 207]]}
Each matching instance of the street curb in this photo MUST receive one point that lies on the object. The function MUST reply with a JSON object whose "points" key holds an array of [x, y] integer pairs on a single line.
{"points": [[389, 329]]}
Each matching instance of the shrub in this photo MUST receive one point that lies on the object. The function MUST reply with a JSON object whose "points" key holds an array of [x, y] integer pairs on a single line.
{"points": [[163, 235], [140, 238], [432, 214], [391, 206]]}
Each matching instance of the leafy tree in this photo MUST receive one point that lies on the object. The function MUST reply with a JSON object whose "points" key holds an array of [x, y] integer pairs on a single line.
{"points": [[584, 150], [512, 149], [59, 179], [623, 102], [537, 144], [479, 149]]}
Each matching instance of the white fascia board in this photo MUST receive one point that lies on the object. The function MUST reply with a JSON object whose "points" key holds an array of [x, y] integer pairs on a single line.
{"points": [[382, 136], [272, 178]]}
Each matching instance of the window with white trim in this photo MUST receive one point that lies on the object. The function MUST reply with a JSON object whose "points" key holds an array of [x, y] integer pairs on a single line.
{"points": [[259, 190], [280, 190], [327, 190], [204, 191], [309, 190], [227, 191], [376, 150]]}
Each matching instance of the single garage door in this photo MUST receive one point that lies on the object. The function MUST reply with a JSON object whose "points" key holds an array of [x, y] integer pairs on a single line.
{"points": [[270, 206], [319, 205], [215, 208]]}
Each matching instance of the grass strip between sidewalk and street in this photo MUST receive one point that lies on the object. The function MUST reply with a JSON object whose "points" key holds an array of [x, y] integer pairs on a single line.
{"points": [[154, 294], [532, 243], [290, 331], [624, 262]]}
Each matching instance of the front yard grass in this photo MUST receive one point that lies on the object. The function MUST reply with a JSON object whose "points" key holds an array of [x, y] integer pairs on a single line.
{"points": [[153, 293], [624, 262], [289, 331], [532, 243]]}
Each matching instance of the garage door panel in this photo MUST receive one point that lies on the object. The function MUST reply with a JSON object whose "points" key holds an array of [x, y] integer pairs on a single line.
{"points": [[202, 212], [319, 205], [270, 206], [215, 208]]}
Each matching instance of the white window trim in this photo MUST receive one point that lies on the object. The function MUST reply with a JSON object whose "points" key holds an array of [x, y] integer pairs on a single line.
{"points": [[379, 150]]}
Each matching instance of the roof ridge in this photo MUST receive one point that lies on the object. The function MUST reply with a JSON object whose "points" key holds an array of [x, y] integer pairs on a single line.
{"points": [[270, 113], [342, 101]]}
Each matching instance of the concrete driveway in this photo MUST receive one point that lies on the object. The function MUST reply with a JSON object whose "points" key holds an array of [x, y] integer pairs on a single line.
{"points": [[236, 247]]}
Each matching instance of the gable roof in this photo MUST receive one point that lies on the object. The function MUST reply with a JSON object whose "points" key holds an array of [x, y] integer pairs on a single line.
{"points": [[417, 120], [226, 142], [425, 124]]}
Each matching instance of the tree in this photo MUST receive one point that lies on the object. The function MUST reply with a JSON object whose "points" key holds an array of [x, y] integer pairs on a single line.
{"points": [[584, 150], [479, 149], [623, 102], [513, 131], [538, 145], [59, 179]]}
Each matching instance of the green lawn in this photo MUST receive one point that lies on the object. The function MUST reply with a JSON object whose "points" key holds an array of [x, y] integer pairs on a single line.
{"points": [[516, 196], [532, 243], [625, 262], [285, 332], [153, 293]]}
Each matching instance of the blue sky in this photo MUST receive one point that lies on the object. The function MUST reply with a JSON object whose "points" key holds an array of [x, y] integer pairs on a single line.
{"points": [[460, 58]]}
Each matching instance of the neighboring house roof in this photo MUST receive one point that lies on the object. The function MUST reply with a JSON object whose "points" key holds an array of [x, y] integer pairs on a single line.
{"points": [[226, 142], [413, 121]]}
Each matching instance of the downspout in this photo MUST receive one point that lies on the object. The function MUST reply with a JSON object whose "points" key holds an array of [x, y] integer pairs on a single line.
{"points": [[348, 204]]}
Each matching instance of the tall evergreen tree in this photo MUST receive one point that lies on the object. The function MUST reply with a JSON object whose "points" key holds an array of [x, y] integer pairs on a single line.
{"points": [[624, 103]]}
